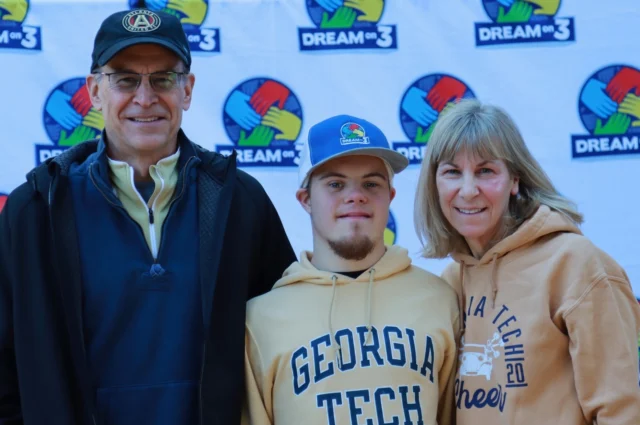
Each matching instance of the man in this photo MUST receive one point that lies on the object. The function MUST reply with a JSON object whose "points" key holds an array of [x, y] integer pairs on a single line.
{"points": [[353, 333], [126, 262]]}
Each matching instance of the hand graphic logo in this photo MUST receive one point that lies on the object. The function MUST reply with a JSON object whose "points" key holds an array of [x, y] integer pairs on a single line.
{"points": [[194, 11], [269, 93], [287, 123], [520, 11], [238, 108], [343, 18], [617, 124], [260, 136], [15, 10], [426, 100], [416, 106], [329, 5], [371, 9], [59, 108], [594, 97], [626, 80]]}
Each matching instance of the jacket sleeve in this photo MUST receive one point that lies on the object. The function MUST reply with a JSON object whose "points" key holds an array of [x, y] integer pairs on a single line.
{"points": [[603, 327], [447, 377], [10, 411], [276, 253], [257, 409]]}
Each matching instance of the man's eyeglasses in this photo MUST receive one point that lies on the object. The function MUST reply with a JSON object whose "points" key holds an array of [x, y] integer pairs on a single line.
{"points": [[128, 82]]}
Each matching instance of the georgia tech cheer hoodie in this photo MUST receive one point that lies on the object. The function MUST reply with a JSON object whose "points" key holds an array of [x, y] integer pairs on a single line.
{"points": [[551, 325], [311, 360]]}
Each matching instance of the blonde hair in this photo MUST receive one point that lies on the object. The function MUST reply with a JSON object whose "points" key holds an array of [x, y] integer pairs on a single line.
{"points": [[487, 132]]}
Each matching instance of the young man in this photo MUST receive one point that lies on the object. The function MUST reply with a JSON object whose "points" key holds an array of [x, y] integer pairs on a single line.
{"points": [[126, 262], [353, 333]]}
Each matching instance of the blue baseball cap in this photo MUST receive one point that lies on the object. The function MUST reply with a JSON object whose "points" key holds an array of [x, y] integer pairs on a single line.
{"points": [[344, 135]]}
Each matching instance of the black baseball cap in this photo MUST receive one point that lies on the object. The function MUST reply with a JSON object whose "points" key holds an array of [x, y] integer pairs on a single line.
{"points": [[131, 27]]}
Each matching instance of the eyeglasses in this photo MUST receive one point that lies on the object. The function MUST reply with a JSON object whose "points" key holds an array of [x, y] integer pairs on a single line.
{"points": [[128, 82]]}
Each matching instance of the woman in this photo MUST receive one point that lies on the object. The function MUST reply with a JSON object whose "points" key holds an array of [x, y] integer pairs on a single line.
{"points": [[550, 321]]}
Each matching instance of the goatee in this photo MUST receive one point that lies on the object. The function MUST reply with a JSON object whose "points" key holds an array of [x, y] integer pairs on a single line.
{"points": [[355, 249]]}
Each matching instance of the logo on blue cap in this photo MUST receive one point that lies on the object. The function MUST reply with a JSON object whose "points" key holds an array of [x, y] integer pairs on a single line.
{"points": [[353, 133]]}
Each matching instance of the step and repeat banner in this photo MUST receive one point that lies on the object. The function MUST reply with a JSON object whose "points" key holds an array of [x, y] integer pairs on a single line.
{"points": [[266, 70]]}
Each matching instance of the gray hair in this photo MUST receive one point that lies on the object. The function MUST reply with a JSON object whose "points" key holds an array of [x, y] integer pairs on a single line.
{"points": [[487, 132]]}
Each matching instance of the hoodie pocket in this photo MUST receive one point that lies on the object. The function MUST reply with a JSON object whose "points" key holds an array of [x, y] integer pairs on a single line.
{"points": [[162, 404]]}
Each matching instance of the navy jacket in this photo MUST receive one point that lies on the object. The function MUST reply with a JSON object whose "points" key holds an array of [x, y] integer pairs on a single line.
{"points": [[44, 376]]}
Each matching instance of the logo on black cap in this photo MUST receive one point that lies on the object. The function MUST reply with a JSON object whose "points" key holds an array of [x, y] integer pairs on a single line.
{"points": [[141, 20]]}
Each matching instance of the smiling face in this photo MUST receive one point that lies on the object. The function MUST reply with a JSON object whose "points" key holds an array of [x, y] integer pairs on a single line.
{"points": [[474, 197], [145, 120], [348, 201]]}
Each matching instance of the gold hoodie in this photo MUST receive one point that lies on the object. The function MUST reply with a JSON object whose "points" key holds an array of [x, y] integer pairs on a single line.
{"points": [[551, 325], [312, 359]]}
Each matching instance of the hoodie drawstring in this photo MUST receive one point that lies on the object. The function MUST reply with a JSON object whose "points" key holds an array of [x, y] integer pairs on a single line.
{"points": [[463, 296], [336, 351], [368, 306], [494, 285]]}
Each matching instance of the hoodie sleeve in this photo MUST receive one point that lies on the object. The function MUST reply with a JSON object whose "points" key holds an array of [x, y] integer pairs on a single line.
{"points": [[603, 326], [446, 403], [257, 409], [10, 410]]}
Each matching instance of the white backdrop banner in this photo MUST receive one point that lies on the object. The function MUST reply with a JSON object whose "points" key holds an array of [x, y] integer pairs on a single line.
{"points": [[266, 70]]}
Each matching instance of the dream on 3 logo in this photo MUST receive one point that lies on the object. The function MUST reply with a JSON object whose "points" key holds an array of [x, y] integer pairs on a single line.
{"points": [[192, 14], [523, 21], [390, 232], [13, 33], [609, 107], [421, 105], [69, 118], [263, 119], [346, 24], [353, 134]]}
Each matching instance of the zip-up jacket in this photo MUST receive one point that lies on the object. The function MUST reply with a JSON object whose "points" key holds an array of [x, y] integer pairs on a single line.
{"points": [[44, 373]]}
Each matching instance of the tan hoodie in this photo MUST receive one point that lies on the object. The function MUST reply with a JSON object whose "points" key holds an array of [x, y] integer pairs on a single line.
{"points": [[551, 329], [311, 360]]}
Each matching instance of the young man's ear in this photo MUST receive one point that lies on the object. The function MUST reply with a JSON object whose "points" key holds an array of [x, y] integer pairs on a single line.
{"points": [[392, 194], [93, 86], [304, 197]]}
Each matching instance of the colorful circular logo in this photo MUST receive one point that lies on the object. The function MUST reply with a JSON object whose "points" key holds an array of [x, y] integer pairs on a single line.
{"points": [[609, 102], [262, 112], [520, 11], [68, 116], [13, 12], [190, 12], [390, 233], [334, 14], [352, 131], [425, 100], [3, 200]]}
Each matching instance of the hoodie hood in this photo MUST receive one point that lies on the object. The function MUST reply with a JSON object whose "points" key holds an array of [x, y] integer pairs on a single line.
{"points": [[395, 260], [543, 223]]}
